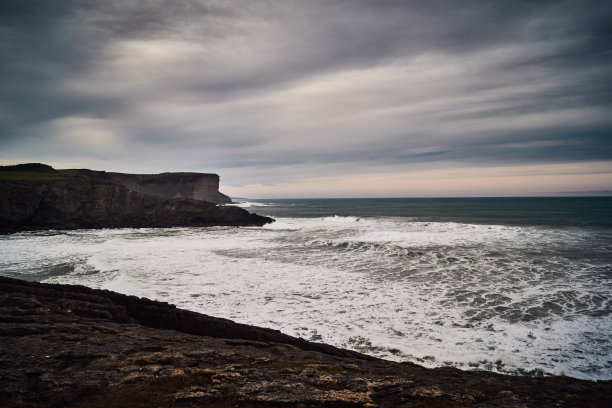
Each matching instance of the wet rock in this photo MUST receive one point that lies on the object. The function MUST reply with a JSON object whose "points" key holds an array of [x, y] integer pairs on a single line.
{"points": [[191, 393], [427, 392], [71, 346]]}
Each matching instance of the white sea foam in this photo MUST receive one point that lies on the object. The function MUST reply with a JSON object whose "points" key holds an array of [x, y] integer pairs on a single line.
{"points": [[249, 204], [508, 299]]}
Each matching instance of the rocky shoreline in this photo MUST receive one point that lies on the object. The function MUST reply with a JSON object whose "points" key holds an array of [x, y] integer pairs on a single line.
{"points": [[72, 346]]}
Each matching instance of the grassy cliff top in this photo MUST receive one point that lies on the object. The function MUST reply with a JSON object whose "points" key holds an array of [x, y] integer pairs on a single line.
{"points": [[36, 176], [38, 172]]}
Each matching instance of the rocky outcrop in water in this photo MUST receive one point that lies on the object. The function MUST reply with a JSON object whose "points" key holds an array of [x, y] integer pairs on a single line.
{"points": [[71, 346], [49, 199]]}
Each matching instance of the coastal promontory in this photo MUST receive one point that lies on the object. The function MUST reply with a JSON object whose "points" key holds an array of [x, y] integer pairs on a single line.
{"points": [[37, 196]]}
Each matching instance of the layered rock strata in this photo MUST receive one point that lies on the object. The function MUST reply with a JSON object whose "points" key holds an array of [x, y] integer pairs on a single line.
{"points": [[38, 197], [70, 346], [197, 186], [91, 204]]}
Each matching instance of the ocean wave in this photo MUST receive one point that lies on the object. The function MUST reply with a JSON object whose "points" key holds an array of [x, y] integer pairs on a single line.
{"points": [[525, 300], [249, 204]]}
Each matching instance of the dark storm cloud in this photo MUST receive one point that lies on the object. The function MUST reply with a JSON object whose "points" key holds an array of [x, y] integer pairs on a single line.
{"points": [[45, 42], [254, 83]]}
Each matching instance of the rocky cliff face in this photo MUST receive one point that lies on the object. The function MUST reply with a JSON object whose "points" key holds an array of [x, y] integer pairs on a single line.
{"points": [[197, 186], [71, 346], [85, 203]]}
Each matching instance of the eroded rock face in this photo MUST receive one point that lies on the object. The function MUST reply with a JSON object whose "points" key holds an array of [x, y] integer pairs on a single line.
{"points": [[70, 346], [85, 203], [36, 196], [197, 186]]}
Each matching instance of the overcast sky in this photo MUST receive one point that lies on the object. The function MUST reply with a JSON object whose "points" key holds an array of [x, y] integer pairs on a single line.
{"points": [[315, 98]]}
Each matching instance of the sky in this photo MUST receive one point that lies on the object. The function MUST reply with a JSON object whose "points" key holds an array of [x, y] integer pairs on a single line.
{"points": [[315, 98]]}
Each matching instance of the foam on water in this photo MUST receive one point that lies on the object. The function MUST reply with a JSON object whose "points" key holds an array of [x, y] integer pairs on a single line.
{"points": [[510, 299], [249, 204]]}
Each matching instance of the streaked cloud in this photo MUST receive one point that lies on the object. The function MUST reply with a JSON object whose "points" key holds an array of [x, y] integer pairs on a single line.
{"points": [[286, 93], [456, 182]]}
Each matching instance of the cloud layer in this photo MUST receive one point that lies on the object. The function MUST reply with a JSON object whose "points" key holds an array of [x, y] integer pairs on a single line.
{"points": [[279, 92]]}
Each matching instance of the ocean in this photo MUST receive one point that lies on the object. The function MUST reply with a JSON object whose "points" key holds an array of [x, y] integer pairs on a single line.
{"points": [[511, 285]]}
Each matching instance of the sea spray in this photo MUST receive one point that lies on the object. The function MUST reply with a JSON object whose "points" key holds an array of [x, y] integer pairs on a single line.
{"points": [[522, 299]]}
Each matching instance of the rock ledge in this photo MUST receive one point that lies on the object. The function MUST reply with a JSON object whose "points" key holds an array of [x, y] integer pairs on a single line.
{"points": [[71, 346]]}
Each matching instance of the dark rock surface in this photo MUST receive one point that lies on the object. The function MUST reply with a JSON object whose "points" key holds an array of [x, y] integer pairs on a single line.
{"points": [[70, 346], [58, 202], [198, 186], [39, 167]]}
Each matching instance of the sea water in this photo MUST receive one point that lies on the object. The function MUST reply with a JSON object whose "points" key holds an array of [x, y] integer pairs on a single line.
{"points": [[513, 285]]}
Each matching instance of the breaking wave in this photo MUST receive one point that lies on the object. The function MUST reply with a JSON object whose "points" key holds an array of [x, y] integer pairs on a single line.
{"points": [[512, 299]]}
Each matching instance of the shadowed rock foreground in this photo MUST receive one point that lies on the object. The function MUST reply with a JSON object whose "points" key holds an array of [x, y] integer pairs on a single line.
{"points": [[71, 346]]}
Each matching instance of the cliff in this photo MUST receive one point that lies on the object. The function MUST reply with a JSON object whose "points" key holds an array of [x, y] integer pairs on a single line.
{"points": [[48, 199], [197, 186], [71, 346]]}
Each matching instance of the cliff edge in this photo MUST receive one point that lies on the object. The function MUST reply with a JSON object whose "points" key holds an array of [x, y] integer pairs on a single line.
{"points": [[197, 186], [36, 196]]}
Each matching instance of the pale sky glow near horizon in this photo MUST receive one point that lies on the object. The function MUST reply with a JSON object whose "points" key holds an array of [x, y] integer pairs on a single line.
{"points": [[334, 98]]}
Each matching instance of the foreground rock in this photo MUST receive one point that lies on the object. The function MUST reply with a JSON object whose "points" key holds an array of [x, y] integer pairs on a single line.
{"points": [[46, 199], [70, 346]]}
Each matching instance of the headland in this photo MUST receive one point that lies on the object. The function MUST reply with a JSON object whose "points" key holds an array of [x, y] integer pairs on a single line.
{"points": [[35, 196]]}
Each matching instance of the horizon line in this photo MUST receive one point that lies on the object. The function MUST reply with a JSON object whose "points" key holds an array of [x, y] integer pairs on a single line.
{"points": [[553, 195]]}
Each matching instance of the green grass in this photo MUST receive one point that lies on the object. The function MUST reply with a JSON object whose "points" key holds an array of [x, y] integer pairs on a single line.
{"points": [[69, 172], [34, 176]]}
